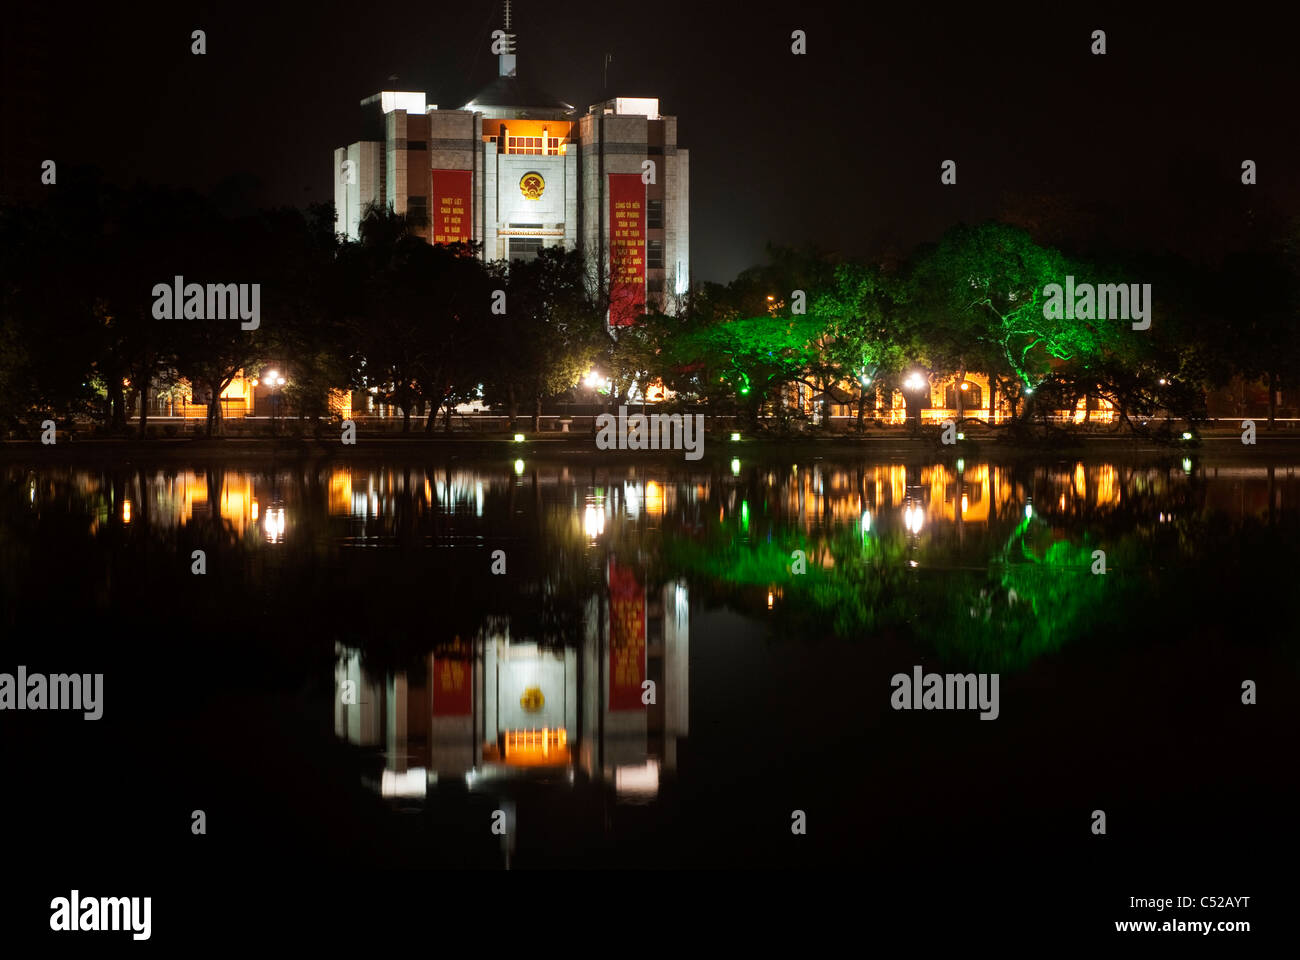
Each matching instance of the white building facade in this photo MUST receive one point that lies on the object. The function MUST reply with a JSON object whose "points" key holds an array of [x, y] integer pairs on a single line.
{"points": [[516, 170]]}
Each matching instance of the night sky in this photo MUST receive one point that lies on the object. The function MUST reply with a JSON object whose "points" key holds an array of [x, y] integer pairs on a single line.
{"points": [[840, 148]]}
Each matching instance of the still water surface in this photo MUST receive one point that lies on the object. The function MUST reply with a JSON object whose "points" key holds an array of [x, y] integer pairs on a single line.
{"points": [[656, 663]]}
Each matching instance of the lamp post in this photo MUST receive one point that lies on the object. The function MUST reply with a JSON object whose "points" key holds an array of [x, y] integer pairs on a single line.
{"points": [[274, 380], [914, 385]]}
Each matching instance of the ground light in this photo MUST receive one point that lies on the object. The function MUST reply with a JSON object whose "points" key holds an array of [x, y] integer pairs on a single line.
{"points": [[961, 436], [735, 437], [1187, 436], [519, 438]]}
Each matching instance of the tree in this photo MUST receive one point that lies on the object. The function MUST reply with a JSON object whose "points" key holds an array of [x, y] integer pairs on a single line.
{"points": [[550, 333], [979, 295], [1257, 300], [387, 291], [859, 336]]}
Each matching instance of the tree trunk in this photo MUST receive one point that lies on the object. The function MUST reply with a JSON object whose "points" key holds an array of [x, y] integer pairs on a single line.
{"points": [[993, 399], [862, 409], [406, 415], [214, 410], [144, 411], [1272, 398], [537, 414], [451, 408], [512, 406], [116, 406]]}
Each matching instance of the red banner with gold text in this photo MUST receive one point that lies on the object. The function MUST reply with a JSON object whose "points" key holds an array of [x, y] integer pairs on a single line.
{"points": [[626, 638], [450, 206], [626, 248], [452, 679]]}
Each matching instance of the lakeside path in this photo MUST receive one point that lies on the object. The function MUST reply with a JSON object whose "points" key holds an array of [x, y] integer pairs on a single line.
{"points": [[1213, 445]]}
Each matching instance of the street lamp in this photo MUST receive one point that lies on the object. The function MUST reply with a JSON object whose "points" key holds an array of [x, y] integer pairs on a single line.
{"points": [[274, 380]]}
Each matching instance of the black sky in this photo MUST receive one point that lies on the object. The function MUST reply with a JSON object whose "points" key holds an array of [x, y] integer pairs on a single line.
{"points": [[840, 147]]}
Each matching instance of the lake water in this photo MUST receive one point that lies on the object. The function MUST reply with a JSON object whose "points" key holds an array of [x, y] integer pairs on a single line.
{"points": [[349, 681]]}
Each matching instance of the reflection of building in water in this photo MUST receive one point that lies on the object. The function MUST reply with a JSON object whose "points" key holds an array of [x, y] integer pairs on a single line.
{"points": [[970, 492], [505, 706]]}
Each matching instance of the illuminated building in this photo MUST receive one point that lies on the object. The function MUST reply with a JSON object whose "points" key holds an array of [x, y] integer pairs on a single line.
{"points": [[515, 169], [943, 397]]}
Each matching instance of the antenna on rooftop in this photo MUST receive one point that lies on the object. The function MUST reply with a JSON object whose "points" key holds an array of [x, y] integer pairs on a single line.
{"points": [[506, 59]]}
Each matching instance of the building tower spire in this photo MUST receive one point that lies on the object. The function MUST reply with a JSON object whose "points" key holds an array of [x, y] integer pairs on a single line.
{"points": [[506, 59]]}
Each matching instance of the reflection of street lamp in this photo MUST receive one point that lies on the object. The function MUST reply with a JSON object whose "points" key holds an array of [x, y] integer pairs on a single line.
{"points": [[273, 525], [593, 521]]}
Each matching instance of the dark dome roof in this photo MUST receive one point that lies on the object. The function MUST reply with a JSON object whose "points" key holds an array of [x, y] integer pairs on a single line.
{"points": [[513, 92]]}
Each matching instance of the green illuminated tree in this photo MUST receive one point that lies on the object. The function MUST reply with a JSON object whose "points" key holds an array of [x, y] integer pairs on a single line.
{"points": [[979, 295], [860, 344]]}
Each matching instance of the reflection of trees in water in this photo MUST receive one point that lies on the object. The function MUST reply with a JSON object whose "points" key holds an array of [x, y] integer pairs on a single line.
{"points": [[996, 595], [1040, 592], [999, 593]]}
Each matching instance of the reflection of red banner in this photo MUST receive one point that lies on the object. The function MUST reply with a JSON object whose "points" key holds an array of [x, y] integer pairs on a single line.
{"points": [[626, 248], [451, 217], [626, 638], [451, 687]]}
